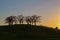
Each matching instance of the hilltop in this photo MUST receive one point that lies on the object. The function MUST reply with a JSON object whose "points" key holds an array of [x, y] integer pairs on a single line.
{"points": [[23, 31]]}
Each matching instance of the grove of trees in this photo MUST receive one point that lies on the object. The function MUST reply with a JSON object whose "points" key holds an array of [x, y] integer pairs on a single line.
{"points": [[21, 19]]}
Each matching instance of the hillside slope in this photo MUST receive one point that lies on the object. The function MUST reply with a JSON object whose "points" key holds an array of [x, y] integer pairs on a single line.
{"points": [[20, 32]]}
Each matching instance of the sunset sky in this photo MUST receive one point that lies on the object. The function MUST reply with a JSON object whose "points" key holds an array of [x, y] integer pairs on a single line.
{"points": [[48, 9]]}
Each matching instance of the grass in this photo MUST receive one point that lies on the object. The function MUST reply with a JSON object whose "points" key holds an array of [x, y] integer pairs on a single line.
{"points": [[28, 32]]}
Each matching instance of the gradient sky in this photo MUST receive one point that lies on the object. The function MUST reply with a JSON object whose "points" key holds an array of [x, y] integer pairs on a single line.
{"points": [[48, 9]]}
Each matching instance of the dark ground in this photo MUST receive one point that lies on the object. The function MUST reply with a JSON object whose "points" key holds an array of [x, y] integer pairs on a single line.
{"points": [[28, 32]]}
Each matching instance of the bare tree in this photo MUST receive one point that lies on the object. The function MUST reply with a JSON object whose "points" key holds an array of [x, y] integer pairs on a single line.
{"points": [[28, 19], [9, 20], [14, 19], [35, 19], [20, 19]]}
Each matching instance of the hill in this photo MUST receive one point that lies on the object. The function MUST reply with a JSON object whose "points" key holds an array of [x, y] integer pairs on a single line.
{"points": [[28, 32]]}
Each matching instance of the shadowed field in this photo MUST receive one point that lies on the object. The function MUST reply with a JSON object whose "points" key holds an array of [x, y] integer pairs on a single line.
{"points": [[28, 32]]}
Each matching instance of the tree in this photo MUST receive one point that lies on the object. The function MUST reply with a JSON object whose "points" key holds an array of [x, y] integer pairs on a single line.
{"points": [[20, 19], [14, 19], [35, 19], [28, 19], [9, 20]]}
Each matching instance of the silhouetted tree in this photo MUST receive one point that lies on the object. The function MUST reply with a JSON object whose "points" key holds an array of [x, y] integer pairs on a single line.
{"points": [[28, 19], [14, 19], [9, 20], [20, 19], [35, 19]]}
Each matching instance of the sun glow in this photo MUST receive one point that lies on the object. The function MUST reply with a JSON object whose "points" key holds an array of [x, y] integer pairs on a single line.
{"points": [[58, 24], [53, 22]]}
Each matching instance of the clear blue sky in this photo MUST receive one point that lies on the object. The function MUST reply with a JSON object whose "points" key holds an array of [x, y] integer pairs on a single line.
{"points": [[45, 8]]}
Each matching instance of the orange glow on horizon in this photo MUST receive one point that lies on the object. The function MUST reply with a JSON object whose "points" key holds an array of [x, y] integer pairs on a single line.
{"points": [[53, 22]]}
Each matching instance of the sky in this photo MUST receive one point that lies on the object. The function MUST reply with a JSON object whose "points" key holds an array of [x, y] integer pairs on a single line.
{"points": [[48, 9]]}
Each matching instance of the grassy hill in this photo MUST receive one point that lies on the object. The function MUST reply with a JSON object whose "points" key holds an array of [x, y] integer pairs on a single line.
{"points": [[28, 32]]}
